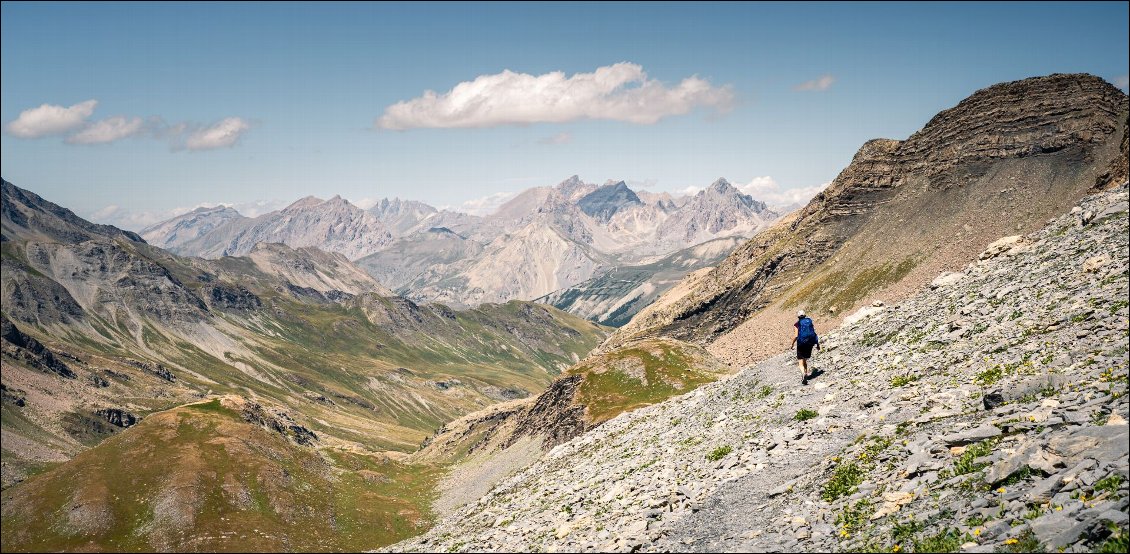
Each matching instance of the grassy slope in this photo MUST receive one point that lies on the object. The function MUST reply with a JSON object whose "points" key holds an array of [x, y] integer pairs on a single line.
{"points": [[200, 478], [642, 374]]}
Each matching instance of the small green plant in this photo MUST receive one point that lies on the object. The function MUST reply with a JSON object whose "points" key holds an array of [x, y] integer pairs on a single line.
{"points": [[877, 446], [691, 441], [968, 463], [1025, 542], [990, 376], [719, 453], [1017, 476], [902, 380], [854, 517], [1110, 483], [1118, 541], [1099, 417], [764, 391], [1048, 390], [904, 532], [805, 414], [948, 540], [875, 338], [844, 481]]}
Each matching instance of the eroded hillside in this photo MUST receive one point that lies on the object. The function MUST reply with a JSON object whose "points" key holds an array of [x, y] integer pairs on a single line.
{"points": [[1003, 160], [986, 412]]}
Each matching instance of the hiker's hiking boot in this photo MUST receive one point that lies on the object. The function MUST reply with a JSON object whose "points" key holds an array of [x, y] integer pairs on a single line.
{"points": [[804, 380]]}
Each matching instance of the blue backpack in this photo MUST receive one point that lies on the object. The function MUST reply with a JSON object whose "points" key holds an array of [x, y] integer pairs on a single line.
{"points": [[806, 332]]}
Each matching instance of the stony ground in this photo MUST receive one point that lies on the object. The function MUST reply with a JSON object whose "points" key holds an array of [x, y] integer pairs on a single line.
{"points": [[988, 412]]}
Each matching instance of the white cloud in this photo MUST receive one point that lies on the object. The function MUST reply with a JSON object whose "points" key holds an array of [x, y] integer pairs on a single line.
{"points": [[689, 191], [1122, 81], [822, 83], [131, 220], [108, 130], [487, 204], [619, 92], [559, 138], [766, 189], [48, 119], [222, 134]]}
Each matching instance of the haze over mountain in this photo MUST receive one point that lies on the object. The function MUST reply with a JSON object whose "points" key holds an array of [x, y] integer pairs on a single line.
{"points": [[543, 240], [332, 225]]}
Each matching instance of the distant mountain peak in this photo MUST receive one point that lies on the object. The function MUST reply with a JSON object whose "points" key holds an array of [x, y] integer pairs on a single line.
{"points": [[721, 186], [573, 181], [303, 203], [605, 201]]}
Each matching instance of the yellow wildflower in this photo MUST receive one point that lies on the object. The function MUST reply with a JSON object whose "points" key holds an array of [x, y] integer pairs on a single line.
{"points": [[1001, 490], [977, 532], [1012, 541], [896, 548]]}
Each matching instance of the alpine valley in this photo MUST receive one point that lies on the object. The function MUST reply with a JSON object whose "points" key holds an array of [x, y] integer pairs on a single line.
{"points": [[594, 368]]}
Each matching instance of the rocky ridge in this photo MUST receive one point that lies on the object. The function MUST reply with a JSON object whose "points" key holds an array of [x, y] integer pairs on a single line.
{"points": [[1003, 160], [187, 227], [987, 411], [332, 225]]}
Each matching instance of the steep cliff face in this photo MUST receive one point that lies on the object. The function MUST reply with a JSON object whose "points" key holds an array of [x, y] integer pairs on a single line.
{"points": [[1005, 159]]}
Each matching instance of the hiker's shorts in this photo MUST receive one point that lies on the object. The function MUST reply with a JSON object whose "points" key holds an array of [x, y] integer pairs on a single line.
{"points": [[804, 350]]}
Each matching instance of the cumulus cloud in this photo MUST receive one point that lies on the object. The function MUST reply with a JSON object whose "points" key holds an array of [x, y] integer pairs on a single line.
{"points": [[619, 92], [218, 135], [559, 138], [487, 204], [108, 130], [49, 119], [821, 83], [1122, 81], [768, 190]]}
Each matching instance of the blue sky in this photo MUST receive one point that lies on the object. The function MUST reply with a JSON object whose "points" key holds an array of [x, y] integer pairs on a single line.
{"points": [[266, 103]]}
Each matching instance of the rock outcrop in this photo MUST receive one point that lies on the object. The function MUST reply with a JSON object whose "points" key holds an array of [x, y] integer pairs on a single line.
{"points": [[1005, 159], [29, 351]]}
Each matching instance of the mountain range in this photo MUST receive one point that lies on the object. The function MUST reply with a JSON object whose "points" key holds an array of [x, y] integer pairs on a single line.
{"points": [[544, 240]]}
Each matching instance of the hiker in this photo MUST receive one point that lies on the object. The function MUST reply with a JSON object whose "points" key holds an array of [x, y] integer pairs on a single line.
{"points": [[804, 340]]}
